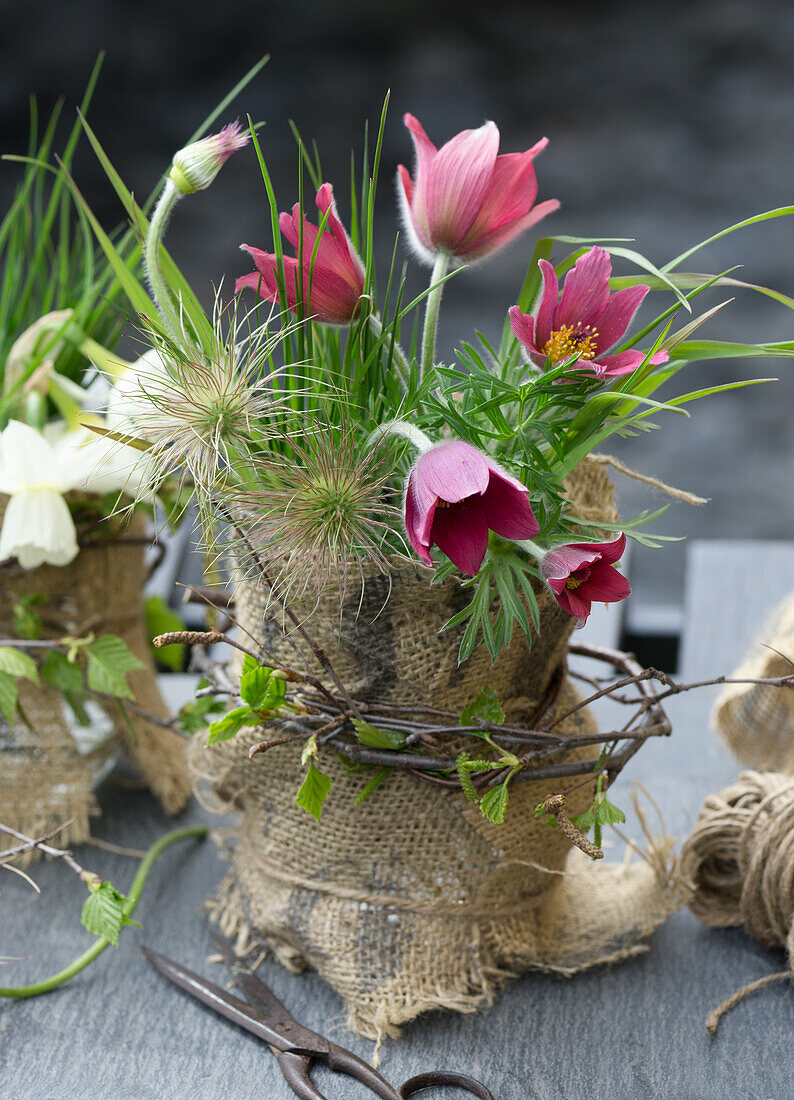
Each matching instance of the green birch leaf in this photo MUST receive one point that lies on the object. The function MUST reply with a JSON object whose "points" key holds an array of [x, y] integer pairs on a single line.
{"points": [[376, 738], [249, 664], [109, 661], [585, 821], [27, 624], [607, 813], [8, 697], [193, 717], [61, 674], [313, 791], [485, 706], [254, 683], [16, 663], [103, 913], [494, 803], [230, 725]]}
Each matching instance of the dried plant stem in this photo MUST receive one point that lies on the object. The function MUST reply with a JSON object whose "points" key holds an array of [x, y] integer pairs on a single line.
{"points": [[29, 843]]}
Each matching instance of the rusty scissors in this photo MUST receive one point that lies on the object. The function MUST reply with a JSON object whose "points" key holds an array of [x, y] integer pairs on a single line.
{"points": [[296, 1047]]}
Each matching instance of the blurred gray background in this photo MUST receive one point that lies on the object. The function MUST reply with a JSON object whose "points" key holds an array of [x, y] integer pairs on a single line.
{"points": [[667, 121]]}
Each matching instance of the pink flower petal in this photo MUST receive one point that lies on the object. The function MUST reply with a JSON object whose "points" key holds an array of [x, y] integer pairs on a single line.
{"points": [[458, 184], [453, 471], [418, 519], [605, 584], [522, 326], [512, 189], [616, 315], [488, 242], [577, 605], [585, 292], [328, 265], [558, 564], [426, 154], [507, 509], [610, 551], [497, 471], [548, 304], [461, 532], [612, 366]]}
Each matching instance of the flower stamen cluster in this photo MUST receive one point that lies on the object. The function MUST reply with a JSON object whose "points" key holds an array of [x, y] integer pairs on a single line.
{"points": [[569, 340]]}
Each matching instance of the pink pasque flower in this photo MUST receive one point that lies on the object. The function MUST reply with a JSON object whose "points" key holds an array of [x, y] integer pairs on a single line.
{"points": [[587, 320], [580, 572], [332, 286], [464, 199], [455, 494]]}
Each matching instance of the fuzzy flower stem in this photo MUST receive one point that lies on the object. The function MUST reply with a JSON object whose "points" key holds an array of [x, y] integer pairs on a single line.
{"points": [[431, 312], [82, 961], [532, 548], [165, 204], [398, 353], [407, 431]]}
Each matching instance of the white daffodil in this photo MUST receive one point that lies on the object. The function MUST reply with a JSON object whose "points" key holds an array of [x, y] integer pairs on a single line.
{"points": [[136, 394], [36, 470]]}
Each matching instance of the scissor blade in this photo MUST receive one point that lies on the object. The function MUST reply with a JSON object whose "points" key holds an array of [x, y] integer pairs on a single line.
{"points": [[225, 1003], [256, 991]]}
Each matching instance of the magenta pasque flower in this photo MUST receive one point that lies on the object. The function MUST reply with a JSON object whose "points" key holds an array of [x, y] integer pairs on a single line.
{"points": [[455, 494], [580, 572], [332, 286], [464, 199], [586, 321]]}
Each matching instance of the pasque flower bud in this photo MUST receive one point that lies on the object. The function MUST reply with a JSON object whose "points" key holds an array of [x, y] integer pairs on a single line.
{"points": [[196, 166]]}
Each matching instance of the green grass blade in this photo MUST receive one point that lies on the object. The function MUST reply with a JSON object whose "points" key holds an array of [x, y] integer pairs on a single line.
{"points": [[780, 212]]}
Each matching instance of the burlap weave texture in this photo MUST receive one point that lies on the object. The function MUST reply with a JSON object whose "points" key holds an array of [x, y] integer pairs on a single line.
{"points": [[45, 781], [757, 720], [413, 900]]}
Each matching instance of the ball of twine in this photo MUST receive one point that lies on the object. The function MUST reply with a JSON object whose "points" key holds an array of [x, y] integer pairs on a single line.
{"points": [[741, 859]]}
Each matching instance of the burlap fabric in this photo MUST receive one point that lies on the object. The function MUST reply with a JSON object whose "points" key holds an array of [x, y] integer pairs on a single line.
{"points": [[45, 779], [756, 720], [413, 900]]}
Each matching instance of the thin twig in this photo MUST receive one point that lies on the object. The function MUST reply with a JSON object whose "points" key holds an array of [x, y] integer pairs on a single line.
{"points": [[55, 853]]}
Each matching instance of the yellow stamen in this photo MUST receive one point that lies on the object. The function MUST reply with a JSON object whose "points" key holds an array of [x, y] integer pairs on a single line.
{"points": [[572, 340], [572, 582]]}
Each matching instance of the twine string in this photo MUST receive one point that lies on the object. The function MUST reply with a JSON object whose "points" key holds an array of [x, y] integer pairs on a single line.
{"points": [[742, 857]]}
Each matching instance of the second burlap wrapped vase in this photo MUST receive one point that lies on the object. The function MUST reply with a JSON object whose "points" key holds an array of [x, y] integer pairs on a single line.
{"points": [[51, 765], [757, 720], [413, 900]]}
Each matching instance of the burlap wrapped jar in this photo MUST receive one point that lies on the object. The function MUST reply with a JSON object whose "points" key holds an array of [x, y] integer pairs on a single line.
{"points": [[50, 768], [413, 900]]}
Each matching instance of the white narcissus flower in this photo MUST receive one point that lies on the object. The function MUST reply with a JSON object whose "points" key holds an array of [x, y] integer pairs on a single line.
{"points": [[35, 471], [134, 397]]}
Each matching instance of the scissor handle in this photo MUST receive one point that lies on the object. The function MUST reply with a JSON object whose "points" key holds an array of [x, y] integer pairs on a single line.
{"points": [[440, 1078], [295, 1068]]}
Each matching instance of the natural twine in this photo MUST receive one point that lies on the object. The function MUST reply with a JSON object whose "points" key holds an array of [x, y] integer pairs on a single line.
{"points": [[741, 854], [653, 482]]}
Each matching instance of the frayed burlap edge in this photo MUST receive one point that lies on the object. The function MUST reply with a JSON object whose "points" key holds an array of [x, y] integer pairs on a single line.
{"points": [[592, 915]]}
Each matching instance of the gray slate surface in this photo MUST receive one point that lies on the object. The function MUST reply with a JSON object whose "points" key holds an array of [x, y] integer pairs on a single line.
{"points": [[633, 1031]]}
